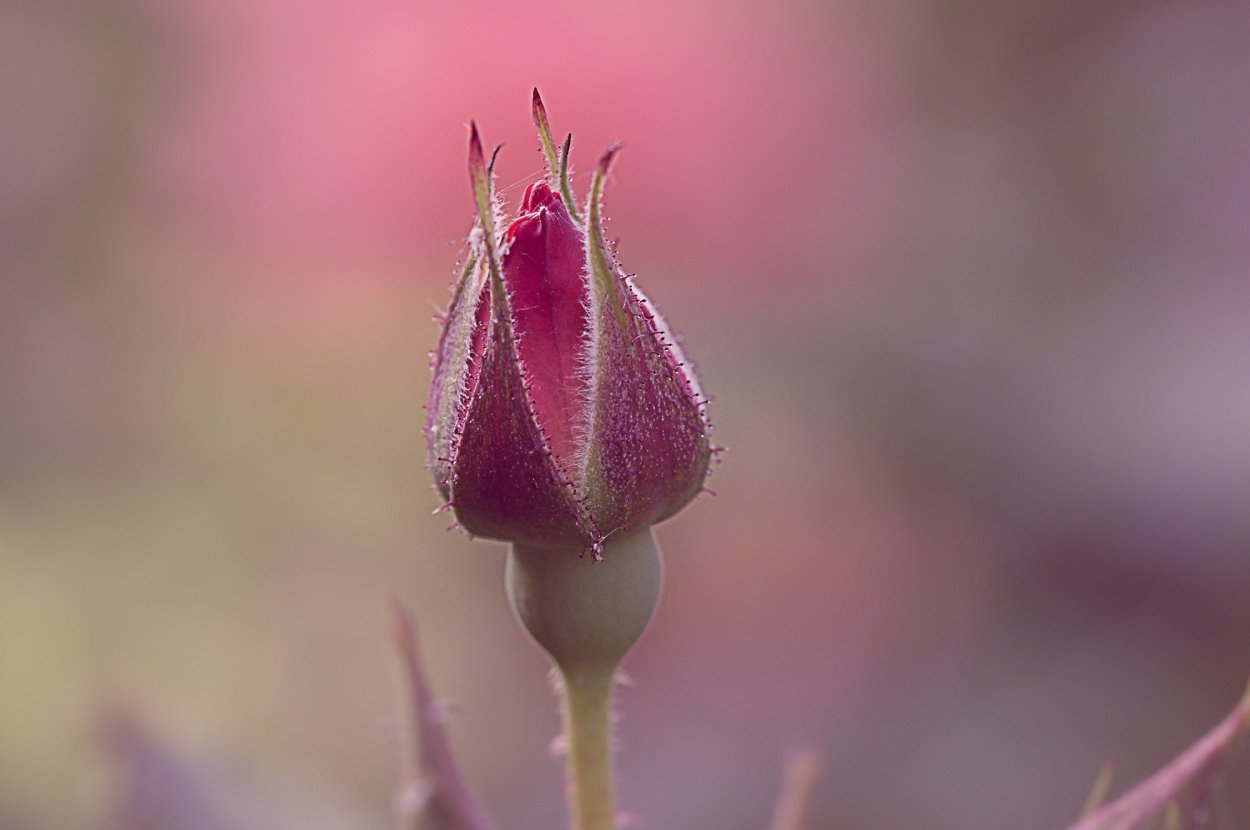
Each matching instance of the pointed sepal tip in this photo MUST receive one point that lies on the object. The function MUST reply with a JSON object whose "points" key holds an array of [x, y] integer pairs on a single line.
{"points": [[609, 156], [477, 160], [540, 111], [543, 125], [480, 177]]}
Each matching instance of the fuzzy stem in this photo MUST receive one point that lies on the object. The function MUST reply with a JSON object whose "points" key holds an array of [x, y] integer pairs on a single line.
{"points": [[587, 615], [587, 727]]}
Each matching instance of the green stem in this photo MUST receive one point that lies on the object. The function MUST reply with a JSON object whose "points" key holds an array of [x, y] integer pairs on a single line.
{"points": [[587, 727], [587, 615]]}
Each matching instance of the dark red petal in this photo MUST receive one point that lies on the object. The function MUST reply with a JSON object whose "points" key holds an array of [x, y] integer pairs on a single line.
{"points": [[544, 273]]}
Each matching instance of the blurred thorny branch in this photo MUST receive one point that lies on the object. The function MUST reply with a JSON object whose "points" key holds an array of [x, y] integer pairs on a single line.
{"points": [[433, 794], [1176, 797], [157, 789]]}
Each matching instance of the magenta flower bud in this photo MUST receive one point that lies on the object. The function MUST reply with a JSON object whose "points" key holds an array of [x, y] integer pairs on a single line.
{"points": [[562, 410]]}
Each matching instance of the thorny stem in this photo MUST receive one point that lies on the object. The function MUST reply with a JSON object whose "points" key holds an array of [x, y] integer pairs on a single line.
{"points": [[1153, 797], [587, 615]]}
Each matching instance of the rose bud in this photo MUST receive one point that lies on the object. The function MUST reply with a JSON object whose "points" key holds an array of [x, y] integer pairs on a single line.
{"points": [[562, 411]]}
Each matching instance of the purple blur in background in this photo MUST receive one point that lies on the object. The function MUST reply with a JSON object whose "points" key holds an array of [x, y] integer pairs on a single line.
{"points": [[969, 282]]}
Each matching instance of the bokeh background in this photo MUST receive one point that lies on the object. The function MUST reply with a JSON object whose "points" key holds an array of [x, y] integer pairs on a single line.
{"points": [[968, 281]]}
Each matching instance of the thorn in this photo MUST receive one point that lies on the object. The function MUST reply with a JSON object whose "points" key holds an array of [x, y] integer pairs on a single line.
{"points": [[1098, 792], [800, 774], [1172, 816], [559, 746]]}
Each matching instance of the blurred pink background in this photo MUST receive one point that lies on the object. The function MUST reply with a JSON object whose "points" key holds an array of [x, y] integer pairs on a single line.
{"points": [[968, 282]]}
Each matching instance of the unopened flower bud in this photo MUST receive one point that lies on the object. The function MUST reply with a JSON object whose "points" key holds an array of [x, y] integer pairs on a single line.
{"points": [[563, 410]]}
